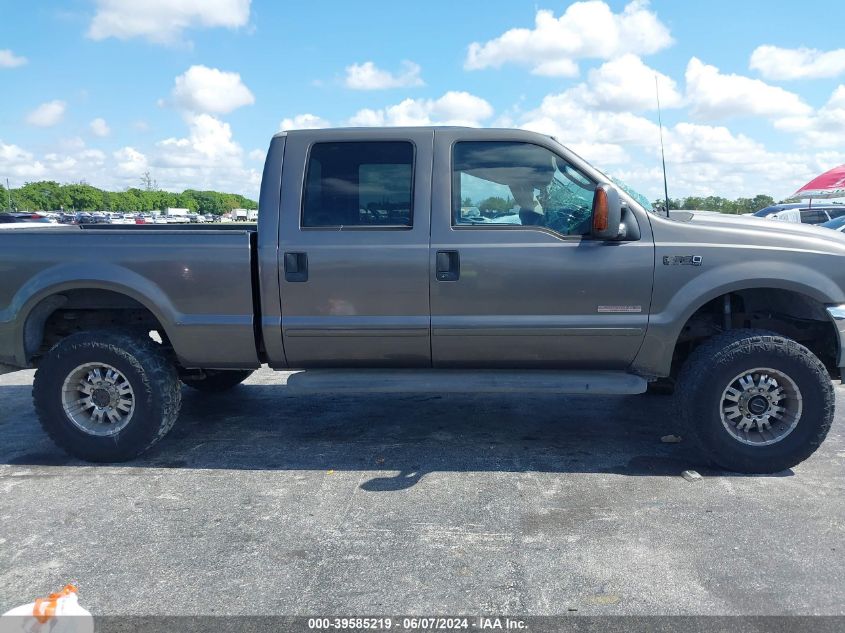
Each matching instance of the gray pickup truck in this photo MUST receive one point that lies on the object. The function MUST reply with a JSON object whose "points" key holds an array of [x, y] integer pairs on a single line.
{"points": [[435, 259]]}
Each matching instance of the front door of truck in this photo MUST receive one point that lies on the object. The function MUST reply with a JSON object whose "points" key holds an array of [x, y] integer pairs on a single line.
{"points": [[516, 279], [353, 249]]}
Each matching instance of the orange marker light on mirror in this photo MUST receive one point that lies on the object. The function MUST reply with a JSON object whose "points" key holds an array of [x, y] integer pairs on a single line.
{"points": [[600, 210]]}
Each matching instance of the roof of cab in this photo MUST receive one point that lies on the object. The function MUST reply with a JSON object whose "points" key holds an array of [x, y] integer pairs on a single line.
{"points": [[334, 130], [407, 128]]}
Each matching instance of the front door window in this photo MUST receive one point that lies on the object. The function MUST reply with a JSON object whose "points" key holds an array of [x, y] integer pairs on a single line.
{"points": [[512, 183]]}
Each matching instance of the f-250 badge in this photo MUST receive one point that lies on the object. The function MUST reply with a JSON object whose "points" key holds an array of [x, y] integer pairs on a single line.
{"points": [[682, 260]]}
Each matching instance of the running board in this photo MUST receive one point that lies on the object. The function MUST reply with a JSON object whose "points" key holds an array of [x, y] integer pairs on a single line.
{"points": [[464, 381]]}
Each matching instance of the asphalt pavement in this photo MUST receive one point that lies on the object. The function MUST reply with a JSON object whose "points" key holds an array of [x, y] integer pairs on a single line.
{"points": [[263, 501]]}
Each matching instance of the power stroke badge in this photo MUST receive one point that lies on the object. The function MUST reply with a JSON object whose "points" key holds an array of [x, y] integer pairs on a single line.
{"points": [[682, 260]]}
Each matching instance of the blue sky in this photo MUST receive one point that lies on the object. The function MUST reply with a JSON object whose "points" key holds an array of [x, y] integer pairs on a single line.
{"points": [[192, 90]]}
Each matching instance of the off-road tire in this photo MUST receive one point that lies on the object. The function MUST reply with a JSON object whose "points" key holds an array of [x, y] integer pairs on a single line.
{"points": [[708, 371], [217, 380], [147, 368]]}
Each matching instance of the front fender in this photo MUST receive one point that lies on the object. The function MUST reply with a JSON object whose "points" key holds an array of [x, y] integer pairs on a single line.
{"points": [[680, 291]]}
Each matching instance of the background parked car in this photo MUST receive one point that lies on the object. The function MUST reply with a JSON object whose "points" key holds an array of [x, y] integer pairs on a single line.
{"points": [[802, 212], [837, 224], [15, 218]]}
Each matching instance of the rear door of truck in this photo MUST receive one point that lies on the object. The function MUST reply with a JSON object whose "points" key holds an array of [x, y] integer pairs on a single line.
{"points": [[353, 248]]}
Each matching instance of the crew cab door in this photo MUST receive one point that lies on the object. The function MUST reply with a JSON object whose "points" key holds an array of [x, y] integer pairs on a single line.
{"points": [[516, 279], [353, 248]]}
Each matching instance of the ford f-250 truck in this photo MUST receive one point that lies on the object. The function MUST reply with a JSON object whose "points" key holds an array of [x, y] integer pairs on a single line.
{"points": [[461, 258]]}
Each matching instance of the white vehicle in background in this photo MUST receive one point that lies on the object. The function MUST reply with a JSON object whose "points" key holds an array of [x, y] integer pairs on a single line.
{"points": [[120, 218], [244, 215], [176, 215], [802, 213]]}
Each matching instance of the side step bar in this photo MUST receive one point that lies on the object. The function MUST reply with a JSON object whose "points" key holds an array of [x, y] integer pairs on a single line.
{"points": [[464, 381]]}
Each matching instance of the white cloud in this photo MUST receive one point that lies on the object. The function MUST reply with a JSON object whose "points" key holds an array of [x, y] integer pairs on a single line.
{"points": [[586, 30], [303, 122], [776, 63], [130, 162], [257, 155], [47, 114], [453, 108], [368, 76], [209, 90], [627, 84], [9, 60], [208, 144], [825, 127], [99, 127], [164, 21], [713, 95], [701, 159], [19, 163], [603, 137], [207, 157]]}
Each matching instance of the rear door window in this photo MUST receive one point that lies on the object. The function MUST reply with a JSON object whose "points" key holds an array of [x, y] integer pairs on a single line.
{"points": [[359, 184]]}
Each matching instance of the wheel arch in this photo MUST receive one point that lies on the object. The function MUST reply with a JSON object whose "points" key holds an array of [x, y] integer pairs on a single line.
{"points": [[65, 288], [659, 353]]}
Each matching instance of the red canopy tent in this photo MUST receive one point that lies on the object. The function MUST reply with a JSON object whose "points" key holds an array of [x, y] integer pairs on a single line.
{"points": [[831, 184]]}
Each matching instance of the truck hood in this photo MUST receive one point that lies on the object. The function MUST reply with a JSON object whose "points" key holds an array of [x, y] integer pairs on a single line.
{"points": [[740, 229]]}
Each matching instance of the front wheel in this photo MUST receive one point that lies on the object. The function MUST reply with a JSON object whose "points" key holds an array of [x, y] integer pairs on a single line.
{"points": [[754, 401], [106, 397]]}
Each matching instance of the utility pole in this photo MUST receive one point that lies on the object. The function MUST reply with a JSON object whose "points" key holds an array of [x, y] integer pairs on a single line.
{"points": [[9, 191]]}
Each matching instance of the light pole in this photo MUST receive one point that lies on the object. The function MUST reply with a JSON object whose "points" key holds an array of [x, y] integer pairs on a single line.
{"points": [[9, 191]]}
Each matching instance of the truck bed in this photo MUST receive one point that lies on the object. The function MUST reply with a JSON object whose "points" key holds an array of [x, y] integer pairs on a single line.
{"points": [[196, 280]]}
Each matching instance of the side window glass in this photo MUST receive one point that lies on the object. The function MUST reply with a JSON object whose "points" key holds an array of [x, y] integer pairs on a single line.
{"points": [[496, 183], [359, 184], [813, 216]]}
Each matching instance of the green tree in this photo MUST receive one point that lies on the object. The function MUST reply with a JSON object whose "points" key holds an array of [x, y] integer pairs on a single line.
{"points": [[495, 204], [84, 197]]}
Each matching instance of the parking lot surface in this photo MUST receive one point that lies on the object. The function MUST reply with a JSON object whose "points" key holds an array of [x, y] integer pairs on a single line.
{"points": [[265, 502]]}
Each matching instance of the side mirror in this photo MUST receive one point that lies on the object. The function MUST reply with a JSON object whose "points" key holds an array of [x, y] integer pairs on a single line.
{"points": [[607, 213]]}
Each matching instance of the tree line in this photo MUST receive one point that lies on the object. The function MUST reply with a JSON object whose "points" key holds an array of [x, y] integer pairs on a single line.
{"points": [[716, 203], [699, 203], [48, 195]]}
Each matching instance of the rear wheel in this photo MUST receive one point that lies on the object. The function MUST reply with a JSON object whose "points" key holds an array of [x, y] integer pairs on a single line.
{"points": [[106, 396], [216, 380], [754, 401]]}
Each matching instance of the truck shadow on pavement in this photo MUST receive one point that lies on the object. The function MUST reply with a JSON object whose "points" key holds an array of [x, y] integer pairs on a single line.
{"points": [[400, 437]]}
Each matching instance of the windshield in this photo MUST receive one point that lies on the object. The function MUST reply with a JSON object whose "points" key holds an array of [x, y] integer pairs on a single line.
{"points": [[636, 195]]}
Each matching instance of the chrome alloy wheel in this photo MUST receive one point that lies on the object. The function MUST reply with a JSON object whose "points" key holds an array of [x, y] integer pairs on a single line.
{"points": [[761, 406], [98, 399]]}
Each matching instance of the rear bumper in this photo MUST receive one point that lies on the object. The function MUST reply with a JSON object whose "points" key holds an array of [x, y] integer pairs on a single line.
{"points": [[837, 315]]}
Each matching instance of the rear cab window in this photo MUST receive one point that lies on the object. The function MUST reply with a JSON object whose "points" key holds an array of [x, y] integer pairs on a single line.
{"points": [[367, 184]]}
